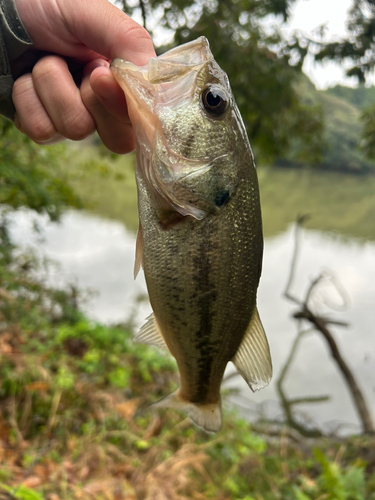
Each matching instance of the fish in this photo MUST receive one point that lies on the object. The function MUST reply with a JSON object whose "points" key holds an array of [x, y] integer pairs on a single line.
{"points": [[200, 239]]}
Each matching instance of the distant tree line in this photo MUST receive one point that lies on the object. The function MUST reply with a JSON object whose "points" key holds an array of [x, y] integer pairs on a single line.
{"points": [[357, 50]]}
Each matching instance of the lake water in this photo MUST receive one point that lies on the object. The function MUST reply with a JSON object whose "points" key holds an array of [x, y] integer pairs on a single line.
{"points": [[98, 253]]}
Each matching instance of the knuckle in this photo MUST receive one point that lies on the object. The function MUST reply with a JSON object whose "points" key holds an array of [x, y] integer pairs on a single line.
{"points": [[22, 85], [77, 126], [40, 130], [32, 118], [46, 67]]}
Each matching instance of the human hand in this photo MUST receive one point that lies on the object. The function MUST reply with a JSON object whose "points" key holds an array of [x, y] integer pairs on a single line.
{"points": [[84, 35]]}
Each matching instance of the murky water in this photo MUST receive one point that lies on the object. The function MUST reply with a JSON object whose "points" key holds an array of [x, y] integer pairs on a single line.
{"points": [[98, 253]]}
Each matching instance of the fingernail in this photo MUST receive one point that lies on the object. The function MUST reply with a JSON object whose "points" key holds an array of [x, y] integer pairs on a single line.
{"points": [[96, 63]]}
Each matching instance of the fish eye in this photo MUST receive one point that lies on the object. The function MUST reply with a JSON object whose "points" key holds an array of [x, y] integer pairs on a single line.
{"points": [[214, 101]]}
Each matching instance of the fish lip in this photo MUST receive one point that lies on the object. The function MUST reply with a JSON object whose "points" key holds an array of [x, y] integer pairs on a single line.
{"points": [[165, 69], [140, 99], [174, 63], [115, 62], [144, 96]]}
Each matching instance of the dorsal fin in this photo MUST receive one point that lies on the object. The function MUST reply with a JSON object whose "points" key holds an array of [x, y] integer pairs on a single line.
{"points": [[150, 333], [253, 358]]}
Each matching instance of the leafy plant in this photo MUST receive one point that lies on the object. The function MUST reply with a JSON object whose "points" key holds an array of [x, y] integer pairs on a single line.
{"points": [[339, 484], [21, 492], [31, 176]]}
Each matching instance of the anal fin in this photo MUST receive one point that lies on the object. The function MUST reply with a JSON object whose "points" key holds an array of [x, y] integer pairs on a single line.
{"points": [[253, 358], [150, 333]]}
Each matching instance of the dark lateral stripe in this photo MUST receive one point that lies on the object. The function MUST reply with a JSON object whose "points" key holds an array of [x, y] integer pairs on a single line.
{"points": [[207, 293]]}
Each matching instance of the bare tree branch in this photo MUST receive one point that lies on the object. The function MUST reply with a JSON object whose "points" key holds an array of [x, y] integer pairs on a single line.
{"points": [[142, 5], [300, 220], [355, 391], [311, 399], [320, 324], [286, 403]]}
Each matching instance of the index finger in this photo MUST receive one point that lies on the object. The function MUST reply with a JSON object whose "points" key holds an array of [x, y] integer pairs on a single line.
{"points": [[107, 30]]}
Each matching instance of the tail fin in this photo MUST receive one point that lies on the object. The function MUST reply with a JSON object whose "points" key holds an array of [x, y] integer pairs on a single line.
{"points": [[206, 416]]}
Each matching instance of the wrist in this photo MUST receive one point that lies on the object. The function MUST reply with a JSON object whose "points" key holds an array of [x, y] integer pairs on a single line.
{"points": [[15, 34]]}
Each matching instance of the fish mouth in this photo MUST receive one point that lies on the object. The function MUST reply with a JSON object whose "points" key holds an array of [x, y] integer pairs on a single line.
{"points": [[163, 81], [140, 96], [169, 80]]}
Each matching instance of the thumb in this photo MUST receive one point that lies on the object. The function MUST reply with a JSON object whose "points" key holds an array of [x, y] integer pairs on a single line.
{"points": [[107, 30]]}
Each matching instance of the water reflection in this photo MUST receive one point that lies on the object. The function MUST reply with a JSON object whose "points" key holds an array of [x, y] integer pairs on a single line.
{"points": [[93, 253], [313, 373], [340, 204], [97, 253]]}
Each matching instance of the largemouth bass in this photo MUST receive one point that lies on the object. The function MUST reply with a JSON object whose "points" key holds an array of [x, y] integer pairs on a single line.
{"points": [[200, 232]]}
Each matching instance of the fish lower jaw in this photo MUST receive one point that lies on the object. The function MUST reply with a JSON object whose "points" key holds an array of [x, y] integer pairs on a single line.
{"points": [[205, 416]]}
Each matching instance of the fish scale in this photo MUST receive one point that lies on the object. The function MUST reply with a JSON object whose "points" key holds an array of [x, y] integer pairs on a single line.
{"points": [[200, 235]]}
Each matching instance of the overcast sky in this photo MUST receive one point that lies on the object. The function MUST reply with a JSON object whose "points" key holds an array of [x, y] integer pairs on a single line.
{"points": [[307, 16]]}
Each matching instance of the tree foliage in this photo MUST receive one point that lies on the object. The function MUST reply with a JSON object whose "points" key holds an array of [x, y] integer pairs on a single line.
{"points": [[246, 41], [32, 176], [368, 119], [361, 97], [357, 52], [358, 49]]}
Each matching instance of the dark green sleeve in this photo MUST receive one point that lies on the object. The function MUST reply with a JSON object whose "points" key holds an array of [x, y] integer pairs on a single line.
{"points": [[14, 40]]}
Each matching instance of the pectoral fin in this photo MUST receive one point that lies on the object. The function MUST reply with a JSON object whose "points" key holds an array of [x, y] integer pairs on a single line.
{"points": [[150, 333], [253, 358]]}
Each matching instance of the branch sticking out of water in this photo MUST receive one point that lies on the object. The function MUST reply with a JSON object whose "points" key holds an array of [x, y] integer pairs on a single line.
{"points": [[320, 324], [288, 403], [300, 220]]}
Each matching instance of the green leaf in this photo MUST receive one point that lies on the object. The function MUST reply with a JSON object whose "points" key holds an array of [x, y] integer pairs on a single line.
{"points": [[22, 493]]}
